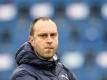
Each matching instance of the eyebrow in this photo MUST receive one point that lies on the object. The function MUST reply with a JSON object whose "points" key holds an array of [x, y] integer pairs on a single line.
{"points": [[49, 33], [40, 34]]}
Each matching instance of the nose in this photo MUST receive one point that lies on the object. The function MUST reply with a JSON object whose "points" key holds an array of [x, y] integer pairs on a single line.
{"points": [[49, 40]]}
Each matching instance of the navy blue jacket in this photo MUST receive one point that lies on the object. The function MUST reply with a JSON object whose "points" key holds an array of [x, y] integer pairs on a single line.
{"points": [[31, 67]]}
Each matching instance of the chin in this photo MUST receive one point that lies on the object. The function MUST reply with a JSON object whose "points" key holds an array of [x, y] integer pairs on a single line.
{"points": [[48, 57]]}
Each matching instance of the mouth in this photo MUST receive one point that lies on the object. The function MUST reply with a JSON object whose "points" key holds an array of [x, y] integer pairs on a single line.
{"points": [[49, 50], [49, 47]]}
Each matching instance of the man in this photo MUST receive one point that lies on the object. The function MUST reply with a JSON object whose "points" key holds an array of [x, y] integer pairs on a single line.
{"points": [[36, 58]]}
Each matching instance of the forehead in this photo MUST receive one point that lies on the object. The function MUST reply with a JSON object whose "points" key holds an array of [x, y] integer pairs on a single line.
{"points": [[45, 26]]}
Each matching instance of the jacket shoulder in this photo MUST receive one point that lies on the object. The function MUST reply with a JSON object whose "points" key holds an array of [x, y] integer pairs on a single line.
{"points": [[21, 74]]}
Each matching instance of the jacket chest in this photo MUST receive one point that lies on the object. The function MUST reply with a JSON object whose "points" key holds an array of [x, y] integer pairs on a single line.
{"points": [[46, 75]]}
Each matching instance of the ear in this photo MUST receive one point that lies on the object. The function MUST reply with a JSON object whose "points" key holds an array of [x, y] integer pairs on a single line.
{"points": [[30, 40]]}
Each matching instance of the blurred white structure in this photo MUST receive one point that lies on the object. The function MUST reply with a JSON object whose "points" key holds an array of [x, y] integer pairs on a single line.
{"points": [[41, 10], [73, 60], [104, 11], [101, 59], [6, 62], [7, 12], [77, 11]]}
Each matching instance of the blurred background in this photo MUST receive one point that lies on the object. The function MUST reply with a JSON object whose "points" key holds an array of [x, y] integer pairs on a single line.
{"points": [[82, 26]]}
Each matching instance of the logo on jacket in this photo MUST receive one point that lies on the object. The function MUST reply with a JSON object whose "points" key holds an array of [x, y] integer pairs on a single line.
{"points": [[65, 77]]}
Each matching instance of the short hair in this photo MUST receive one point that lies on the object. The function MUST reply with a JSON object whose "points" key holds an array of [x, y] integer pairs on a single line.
{"points": [[31, 30]]}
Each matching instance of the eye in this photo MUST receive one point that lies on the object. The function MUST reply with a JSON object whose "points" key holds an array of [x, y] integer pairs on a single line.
{"points": [[43, 35], [53, 34]]}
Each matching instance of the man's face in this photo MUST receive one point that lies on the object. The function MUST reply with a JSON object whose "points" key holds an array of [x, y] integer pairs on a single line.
{"points": [[45, 39]]}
